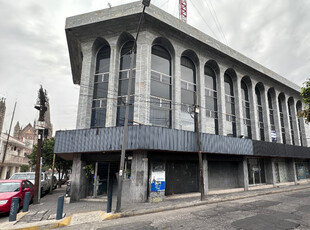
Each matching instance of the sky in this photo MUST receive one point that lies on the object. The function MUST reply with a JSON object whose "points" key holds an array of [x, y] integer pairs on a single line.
{"points": [[33, 46]]}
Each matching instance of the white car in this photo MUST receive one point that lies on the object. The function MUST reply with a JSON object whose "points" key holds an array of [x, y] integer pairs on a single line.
{"points": [[45, 182]]}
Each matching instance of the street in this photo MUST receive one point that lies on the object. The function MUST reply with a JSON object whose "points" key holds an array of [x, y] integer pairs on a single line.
{"points": [[288, 210]]}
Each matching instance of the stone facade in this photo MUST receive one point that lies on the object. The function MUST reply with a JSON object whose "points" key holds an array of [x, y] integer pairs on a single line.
{"points": [[2, 112]]}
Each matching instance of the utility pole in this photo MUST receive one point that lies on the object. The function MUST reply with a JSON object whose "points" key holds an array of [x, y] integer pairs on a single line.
{"points": [[7, 140], [41, 106], [196, 112], [146, 3]]}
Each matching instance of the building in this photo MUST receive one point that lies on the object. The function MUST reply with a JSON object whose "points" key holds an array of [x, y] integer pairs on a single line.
{"points": [[15, 157], [2, 112], [250, 133]]}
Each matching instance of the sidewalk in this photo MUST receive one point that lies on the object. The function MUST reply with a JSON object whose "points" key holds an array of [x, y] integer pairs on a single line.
{"points": [[42, 216]]}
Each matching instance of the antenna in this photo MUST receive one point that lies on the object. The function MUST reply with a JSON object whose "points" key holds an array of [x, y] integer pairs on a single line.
{"points": [[183, 10]]}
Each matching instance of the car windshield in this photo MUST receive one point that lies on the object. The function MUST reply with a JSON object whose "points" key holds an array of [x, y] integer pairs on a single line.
{"points": [[23, 176], [9, 187]]}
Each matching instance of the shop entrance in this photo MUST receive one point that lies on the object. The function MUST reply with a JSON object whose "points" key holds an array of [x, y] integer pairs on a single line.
{"points": [[99, 179], [182, 177], [256, 170]]}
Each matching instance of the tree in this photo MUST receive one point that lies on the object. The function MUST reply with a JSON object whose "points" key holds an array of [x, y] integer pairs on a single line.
{"points": [[61, 165], [24, 168], [305, 94]]}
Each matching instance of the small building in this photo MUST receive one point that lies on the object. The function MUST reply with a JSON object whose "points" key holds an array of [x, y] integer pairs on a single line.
{"points": [[250, 132], [15, 157]]}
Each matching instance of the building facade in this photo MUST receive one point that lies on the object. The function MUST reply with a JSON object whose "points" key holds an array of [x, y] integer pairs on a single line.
{"points": [[15, 157], [2, 112], [250, 132]]}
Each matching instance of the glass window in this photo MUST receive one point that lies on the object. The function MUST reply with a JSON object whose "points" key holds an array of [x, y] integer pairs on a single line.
{"points": [[101, 82]]}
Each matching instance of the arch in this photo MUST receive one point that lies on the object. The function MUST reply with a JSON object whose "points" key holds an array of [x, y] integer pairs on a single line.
{"points": [[230, 77], [161, 87], [291, 109], [191, 55], [211, 71], [123, 38], [165, 43], [245, 85], [101, 52], [281, 103]]}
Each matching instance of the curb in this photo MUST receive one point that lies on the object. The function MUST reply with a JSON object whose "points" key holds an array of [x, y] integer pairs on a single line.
{"points": [[109, 216]]}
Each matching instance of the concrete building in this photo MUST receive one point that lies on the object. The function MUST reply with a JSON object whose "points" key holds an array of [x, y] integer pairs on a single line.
{"points": [[250, 133], [15, 156]]}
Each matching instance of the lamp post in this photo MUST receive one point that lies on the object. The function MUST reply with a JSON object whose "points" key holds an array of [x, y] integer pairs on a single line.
{"points": [[146, 3]]}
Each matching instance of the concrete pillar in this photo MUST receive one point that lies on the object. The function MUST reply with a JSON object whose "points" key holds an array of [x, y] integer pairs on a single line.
{"points": [[78, 179], [294, 174], [266, 115], [112, 87], [3, 173], [176, 112], [253, 112], [221, 100], [205, 173], [245, 174], [269, 171], [13, 170], [303, 136], [86, 88], [139, 177], [143, 79], [274, 179], [287, 122]]}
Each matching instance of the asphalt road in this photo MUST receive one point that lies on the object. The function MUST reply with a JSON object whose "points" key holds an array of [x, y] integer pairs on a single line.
{"points": [[289, 210]]}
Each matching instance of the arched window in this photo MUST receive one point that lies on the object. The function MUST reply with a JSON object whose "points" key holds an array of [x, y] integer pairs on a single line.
{"points": [[260, 114], [282, 119], [246, 109], [188, 90], [289, 104], [101, 83], [123, 85], [160, 105], [230, 105], [211, 96], [271, 118], [298, 109]]}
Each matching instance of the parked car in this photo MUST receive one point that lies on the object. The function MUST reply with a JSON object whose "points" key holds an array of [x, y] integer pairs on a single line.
{"points": [[14, 188], [45, 182]]}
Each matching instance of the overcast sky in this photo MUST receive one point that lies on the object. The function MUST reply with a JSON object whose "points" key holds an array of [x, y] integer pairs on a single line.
{"points": [[34, 51]]}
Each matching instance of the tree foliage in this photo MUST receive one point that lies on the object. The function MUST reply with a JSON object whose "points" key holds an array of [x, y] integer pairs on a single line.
{"points": [[305, 94], [61, 165]]}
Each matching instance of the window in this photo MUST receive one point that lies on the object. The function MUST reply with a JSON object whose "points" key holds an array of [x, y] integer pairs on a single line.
{"points": [[246, 109], [211, 96], [101, 82], [282, 119], [260, 114], [123, 85], [271, 118], [230, 105], [298, 108], [188, 90], [291, 122], [160, 103]]}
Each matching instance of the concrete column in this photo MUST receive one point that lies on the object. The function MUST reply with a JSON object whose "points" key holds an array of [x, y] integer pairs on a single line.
{"points": [[295, 124], [303, 135], [139, 177], [287, 122], [294, 171], [112, 88], [3, 173], [275, 106], [240, 126], [245, 174], [253, 111], [86, 88], [269, 171], [221, 100], [202, 96], [77, 178], [143, 79], [13, 170], [176, 111], [274, 179], [205, 173], [266, 115]]}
